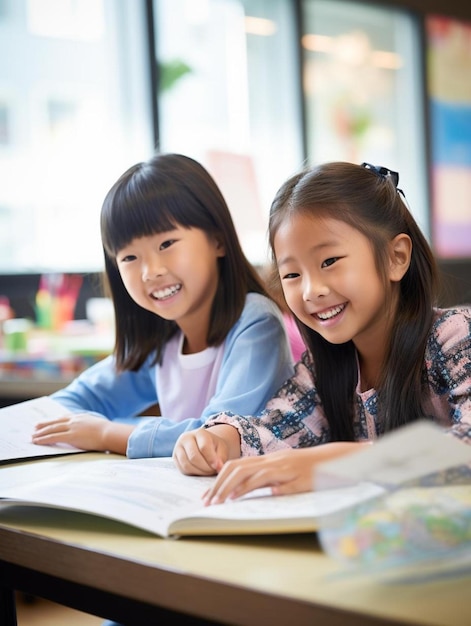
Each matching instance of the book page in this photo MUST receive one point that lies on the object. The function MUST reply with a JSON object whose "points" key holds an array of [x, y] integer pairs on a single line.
{"points": [[17, 424], [140, 492], [413, 451], [261, 512], [152, 493]]}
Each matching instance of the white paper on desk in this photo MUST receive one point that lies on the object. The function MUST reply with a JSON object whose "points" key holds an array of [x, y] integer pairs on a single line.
{"points": [[413, 451], [17, 424]]}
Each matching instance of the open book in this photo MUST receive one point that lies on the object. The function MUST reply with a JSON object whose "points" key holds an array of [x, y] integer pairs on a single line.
{"points": [[153, 495], [17, 423]]}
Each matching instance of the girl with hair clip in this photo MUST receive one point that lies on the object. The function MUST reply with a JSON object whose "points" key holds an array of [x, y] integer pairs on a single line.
{"points": [[195, 330], [362, 281]]}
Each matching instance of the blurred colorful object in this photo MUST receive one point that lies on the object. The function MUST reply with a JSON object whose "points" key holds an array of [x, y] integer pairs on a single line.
{"points": [[403, 527], [449, 87], [56, 299], [420, 524]]}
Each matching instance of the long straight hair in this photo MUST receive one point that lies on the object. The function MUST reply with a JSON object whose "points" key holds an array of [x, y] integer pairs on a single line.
{"points": [[370, 203], [155, 196]]}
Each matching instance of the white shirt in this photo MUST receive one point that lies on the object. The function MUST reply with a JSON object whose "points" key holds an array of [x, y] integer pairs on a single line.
{"points": [[196, 374]]}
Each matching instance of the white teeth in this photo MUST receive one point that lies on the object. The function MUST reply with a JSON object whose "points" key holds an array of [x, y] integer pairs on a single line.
{"points": [[161, 294], [326, 315]]}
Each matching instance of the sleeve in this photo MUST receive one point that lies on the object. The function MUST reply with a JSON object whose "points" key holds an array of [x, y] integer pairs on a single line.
{"points": [[257, 359], [450, 371], [104, 392], [293, 418]]}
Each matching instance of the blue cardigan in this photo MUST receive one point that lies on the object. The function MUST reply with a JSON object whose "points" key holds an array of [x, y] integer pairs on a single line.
{"points": [[256, 361]]}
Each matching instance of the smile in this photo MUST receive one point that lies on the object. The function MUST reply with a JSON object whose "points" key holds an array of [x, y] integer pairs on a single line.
{"points": [[168, 292], [327, 315]]}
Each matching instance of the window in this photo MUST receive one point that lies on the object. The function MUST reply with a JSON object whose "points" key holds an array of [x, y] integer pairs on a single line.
{"points": [[363, 91], [240, 90], [74, 114], [230, 98]]}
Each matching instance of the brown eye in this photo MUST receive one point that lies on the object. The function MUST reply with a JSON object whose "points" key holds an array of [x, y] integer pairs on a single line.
{"points": [[127, 258], [167, 243], [329, 262]]}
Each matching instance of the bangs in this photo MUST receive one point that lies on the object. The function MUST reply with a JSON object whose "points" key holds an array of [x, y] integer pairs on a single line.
{"points": [[133, 211]]}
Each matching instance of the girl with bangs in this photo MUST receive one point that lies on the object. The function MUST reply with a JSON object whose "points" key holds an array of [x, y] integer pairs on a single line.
{"points": [[195, 330]]}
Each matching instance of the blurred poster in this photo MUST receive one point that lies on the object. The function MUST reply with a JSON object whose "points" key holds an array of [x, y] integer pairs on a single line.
{"points": [[449, 85]]}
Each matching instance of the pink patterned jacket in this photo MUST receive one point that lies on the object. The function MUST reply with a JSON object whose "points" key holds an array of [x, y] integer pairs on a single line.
{"points": [[294, 417]]}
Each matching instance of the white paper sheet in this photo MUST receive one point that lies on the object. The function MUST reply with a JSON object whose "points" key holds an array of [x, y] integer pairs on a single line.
{"points": [[17, 423]]}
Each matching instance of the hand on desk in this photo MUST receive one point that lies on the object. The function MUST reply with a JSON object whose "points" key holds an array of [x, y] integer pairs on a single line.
{"points": [[84, 431]]}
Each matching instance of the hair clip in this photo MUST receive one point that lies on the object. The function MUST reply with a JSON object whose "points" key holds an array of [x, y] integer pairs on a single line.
{"points": [[384, 173]]}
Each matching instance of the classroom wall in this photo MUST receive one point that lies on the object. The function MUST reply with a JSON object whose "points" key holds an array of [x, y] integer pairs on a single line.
{"points": [[452, 8], [456, 282]]}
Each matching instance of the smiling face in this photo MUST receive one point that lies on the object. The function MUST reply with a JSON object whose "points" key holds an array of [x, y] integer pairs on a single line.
{"points": [[174, 275], [330, 280]]}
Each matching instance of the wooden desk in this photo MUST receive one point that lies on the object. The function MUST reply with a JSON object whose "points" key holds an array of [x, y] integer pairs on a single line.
{"points": [[118, 572]]}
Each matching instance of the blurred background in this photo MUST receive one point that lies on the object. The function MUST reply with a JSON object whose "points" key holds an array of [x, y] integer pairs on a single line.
{"points": [[253, 89]]}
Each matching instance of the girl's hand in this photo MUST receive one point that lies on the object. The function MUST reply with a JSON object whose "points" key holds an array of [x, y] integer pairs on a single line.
{"points": [[81, 430], [204, 451], [285, 471]]}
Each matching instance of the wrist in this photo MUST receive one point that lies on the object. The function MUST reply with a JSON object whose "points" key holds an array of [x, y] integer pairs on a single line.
{"points": [[230, 436], [115, 437]]}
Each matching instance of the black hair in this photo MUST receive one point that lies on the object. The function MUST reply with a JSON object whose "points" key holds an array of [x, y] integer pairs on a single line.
{"points": [[368, 200], [155, 196]]}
